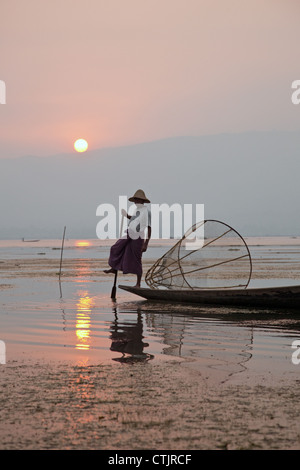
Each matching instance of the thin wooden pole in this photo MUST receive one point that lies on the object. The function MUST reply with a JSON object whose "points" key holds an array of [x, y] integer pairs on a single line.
{"points": [[61, 253]]}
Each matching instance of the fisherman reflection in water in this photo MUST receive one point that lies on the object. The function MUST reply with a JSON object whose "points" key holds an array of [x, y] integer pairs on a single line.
{"points": [[127, 339], [126, 253]]}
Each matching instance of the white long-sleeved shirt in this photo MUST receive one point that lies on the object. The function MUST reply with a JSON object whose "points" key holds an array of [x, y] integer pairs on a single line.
{"points": [[139, 221]]}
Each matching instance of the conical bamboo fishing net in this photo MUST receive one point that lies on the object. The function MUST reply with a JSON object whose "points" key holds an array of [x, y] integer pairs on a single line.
{"points": [[221, 260]]}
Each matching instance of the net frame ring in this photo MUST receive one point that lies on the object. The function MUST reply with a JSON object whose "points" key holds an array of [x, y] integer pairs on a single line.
{"points": [[150, 275]]}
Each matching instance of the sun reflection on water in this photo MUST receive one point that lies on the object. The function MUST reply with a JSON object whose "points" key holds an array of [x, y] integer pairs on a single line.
{"points": [[83, 321], [82, 243]]}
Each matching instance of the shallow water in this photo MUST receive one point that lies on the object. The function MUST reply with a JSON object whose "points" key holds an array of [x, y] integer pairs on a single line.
{"points": [[75, 319], [78, 322]]}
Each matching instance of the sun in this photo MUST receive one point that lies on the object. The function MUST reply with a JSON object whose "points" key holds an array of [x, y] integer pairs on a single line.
{"points": [[80, 145]]}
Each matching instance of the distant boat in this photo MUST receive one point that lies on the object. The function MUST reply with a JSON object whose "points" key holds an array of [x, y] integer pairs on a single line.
{"points": [[280, 297], [23, 240]]}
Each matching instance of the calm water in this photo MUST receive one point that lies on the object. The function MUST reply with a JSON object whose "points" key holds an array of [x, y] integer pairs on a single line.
{"points": [[75, 320]]}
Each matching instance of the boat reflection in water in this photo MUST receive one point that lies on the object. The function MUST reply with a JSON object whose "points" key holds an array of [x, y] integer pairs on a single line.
{"points": [[210, 344], [127, 339]]}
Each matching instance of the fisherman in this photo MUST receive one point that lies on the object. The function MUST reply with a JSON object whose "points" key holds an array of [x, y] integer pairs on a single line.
{"points": [[126, 253]]}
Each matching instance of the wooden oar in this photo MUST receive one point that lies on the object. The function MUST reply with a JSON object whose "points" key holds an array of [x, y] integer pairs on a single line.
{"points": [[114, 288]]}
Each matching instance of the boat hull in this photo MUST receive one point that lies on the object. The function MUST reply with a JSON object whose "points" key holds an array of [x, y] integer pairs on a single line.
{"points": [[287, 297]]}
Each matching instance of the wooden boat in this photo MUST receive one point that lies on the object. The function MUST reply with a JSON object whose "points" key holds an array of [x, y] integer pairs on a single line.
{"points": [[280, 297]]}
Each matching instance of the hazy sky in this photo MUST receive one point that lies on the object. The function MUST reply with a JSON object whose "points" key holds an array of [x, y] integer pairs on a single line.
{"points": [[120, 72]]}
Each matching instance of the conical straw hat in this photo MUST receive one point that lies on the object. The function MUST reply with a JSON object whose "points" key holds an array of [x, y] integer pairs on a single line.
{"points": [[139, 194]]}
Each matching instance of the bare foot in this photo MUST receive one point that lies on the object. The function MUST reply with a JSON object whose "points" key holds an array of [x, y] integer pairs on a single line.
{"points": [[138, 281]]}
